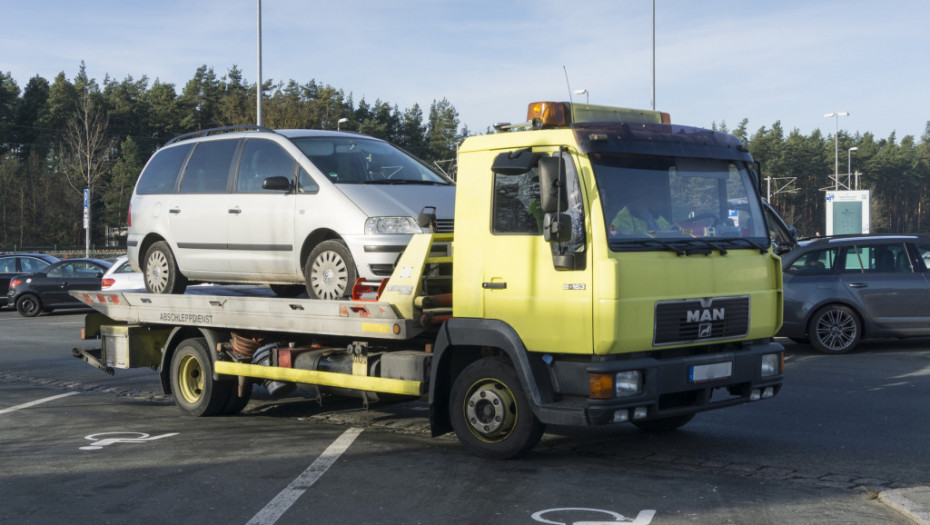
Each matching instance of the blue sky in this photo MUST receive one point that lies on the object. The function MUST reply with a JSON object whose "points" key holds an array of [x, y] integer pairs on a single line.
{"points": [[716, 60]]}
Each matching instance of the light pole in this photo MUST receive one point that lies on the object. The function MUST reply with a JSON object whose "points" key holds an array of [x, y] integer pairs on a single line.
{"points": [[586, 94], [258, 86], [340, 122], [849, 166], [836, 143]]}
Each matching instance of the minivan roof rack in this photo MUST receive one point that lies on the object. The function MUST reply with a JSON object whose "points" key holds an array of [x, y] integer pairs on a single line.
{"points": [[211, 131]]}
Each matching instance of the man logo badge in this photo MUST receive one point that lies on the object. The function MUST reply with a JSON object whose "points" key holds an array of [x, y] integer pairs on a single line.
{"points": [[705, 330]]}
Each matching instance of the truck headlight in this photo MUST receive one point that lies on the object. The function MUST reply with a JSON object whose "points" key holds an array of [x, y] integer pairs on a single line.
{"points": [[629, 383], [771, 365], [383, 225]]}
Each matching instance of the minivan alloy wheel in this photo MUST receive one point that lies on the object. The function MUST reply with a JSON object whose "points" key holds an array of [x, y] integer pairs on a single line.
{"points": [[330, 271]]}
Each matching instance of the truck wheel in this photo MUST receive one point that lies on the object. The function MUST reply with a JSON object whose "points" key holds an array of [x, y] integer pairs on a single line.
{"points": [[28, 305], [161, 271], [235, 404], [665, 424], [330, 271], [834, 329], [195, 391], [490, 413]]}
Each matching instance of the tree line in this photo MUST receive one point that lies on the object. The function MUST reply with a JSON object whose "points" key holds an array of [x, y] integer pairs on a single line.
{"points": [[58, 138], [61, 137], [800, 168]]}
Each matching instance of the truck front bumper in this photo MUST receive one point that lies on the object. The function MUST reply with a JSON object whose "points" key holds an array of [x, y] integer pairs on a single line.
{"points": [[671, 386]]}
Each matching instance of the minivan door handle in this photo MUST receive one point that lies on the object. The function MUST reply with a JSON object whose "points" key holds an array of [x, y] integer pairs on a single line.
{"points": [[175, 210], [235, 210]]}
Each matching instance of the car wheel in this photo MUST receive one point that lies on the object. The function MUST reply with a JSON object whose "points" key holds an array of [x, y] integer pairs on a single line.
{"points": [[330, 271], [28, 305], [161, 271], [287, 290], [834, 329]]}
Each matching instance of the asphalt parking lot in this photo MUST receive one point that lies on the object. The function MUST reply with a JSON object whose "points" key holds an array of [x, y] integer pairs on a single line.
{"points": [[83, 447]]}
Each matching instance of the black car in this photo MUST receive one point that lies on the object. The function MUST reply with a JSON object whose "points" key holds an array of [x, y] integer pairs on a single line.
{"points": [[840, 290], [48, 289], [13, 264]]}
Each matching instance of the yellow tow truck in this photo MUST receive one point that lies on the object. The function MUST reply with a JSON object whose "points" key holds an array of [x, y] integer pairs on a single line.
{"points": [[607, 267]]}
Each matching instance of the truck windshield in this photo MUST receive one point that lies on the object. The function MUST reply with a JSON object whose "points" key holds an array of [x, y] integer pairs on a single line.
{"points": [[658, 202], [363, 161]]}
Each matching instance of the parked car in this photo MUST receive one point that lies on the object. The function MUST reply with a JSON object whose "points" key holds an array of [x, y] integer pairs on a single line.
{"points": [[121, 276], [840, 290], [13, 264], [48, 289], [289, 208]]}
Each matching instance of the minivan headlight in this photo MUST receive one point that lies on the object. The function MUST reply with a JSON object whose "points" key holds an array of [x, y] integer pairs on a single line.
{"points": [[382, 225]]}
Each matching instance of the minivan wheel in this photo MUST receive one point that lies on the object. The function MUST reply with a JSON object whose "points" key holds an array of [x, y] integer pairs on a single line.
{"points": [[834, 329], [161, 271], [330, 271]]}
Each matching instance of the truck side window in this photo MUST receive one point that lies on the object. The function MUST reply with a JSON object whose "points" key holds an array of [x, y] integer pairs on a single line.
{"points": [[515, 207]]}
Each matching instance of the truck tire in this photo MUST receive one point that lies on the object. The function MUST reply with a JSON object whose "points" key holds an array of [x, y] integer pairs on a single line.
{"points": [[665, 424], [834, 329], [161, 271], [28, 305], [195, 391], [490, 412], [330, 271], [235, 403]]}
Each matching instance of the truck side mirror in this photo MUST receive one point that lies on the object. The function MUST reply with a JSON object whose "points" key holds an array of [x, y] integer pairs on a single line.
{"points": [[557, 227], [514, 162], [552, 195]]}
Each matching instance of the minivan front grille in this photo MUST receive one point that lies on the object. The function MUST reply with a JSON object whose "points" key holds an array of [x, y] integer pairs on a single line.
{"points": [[701, 320], [445, 225]]}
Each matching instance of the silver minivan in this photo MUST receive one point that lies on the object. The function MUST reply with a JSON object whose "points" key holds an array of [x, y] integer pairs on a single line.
{"points": [[296, 209]]}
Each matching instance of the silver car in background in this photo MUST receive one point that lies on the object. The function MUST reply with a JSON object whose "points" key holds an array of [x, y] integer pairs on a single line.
{"points": [[296, 209], [843, 289]]}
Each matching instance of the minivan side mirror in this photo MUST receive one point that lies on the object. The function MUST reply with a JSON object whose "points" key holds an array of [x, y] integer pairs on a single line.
{"points": [[277, 184]]}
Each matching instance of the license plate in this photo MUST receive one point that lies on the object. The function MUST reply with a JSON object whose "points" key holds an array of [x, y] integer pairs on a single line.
{"points": [[704, 373]]}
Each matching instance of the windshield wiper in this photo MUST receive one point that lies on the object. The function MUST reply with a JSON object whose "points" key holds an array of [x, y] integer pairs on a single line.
{"points": [[679, 246], [762, 249]]}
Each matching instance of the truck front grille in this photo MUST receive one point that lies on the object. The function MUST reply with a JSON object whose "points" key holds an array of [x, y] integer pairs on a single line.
{"points": [[700, 320]]}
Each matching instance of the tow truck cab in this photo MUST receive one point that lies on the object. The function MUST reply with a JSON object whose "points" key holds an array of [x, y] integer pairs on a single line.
{"points": [[605, 259]]}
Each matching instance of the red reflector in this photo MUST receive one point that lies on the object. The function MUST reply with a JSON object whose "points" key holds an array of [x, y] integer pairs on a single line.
{"points": [[101, 298]]}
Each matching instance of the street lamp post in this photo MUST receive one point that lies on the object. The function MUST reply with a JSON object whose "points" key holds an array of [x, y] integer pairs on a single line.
{"points": [[836, 143], [849, 167], [340, 122]]}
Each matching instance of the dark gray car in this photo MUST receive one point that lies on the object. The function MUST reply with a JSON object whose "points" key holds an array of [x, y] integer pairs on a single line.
{"points": [[842, 289]]}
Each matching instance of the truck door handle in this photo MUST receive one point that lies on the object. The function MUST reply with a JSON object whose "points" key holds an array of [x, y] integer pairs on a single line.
{"points": [[494, 286], [175, 210], [858, 285], [235, 210]]}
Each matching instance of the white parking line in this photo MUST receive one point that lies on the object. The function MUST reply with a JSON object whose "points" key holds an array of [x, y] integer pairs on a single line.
{"points": [[36, 402], [283, 501]]}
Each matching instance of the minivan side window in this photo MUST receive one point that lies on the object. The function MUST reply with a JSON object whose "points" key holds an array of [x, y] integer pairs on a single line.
{"points": [[208, 169], [161, 173], [262, 159]]}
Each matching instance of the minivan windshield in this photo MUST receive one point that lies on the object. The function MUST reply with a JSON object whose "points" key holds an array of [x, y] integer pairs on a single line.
{"points": [[352, 160], [657, 202]]}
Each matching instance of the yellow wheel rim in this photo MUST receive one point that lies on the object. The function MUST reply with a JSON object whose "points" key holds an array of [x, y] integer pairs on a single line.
{"points": [[190, 379]]}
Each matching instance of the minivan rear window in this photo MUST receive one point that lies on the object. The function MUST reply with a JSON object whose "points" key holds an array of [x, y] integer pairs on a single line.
{"points": [[208, 169], [161, 173]]}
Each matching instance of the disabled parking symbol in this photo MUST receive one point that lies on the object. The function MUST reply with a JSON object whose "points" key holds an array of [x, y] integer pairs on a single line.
{"points": [[103, 439], [549, 516]]}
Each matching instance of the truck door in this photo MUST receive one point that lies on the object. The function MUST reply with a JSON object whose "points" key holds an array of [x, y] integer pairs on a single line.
{"points": [[549, 308]]}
